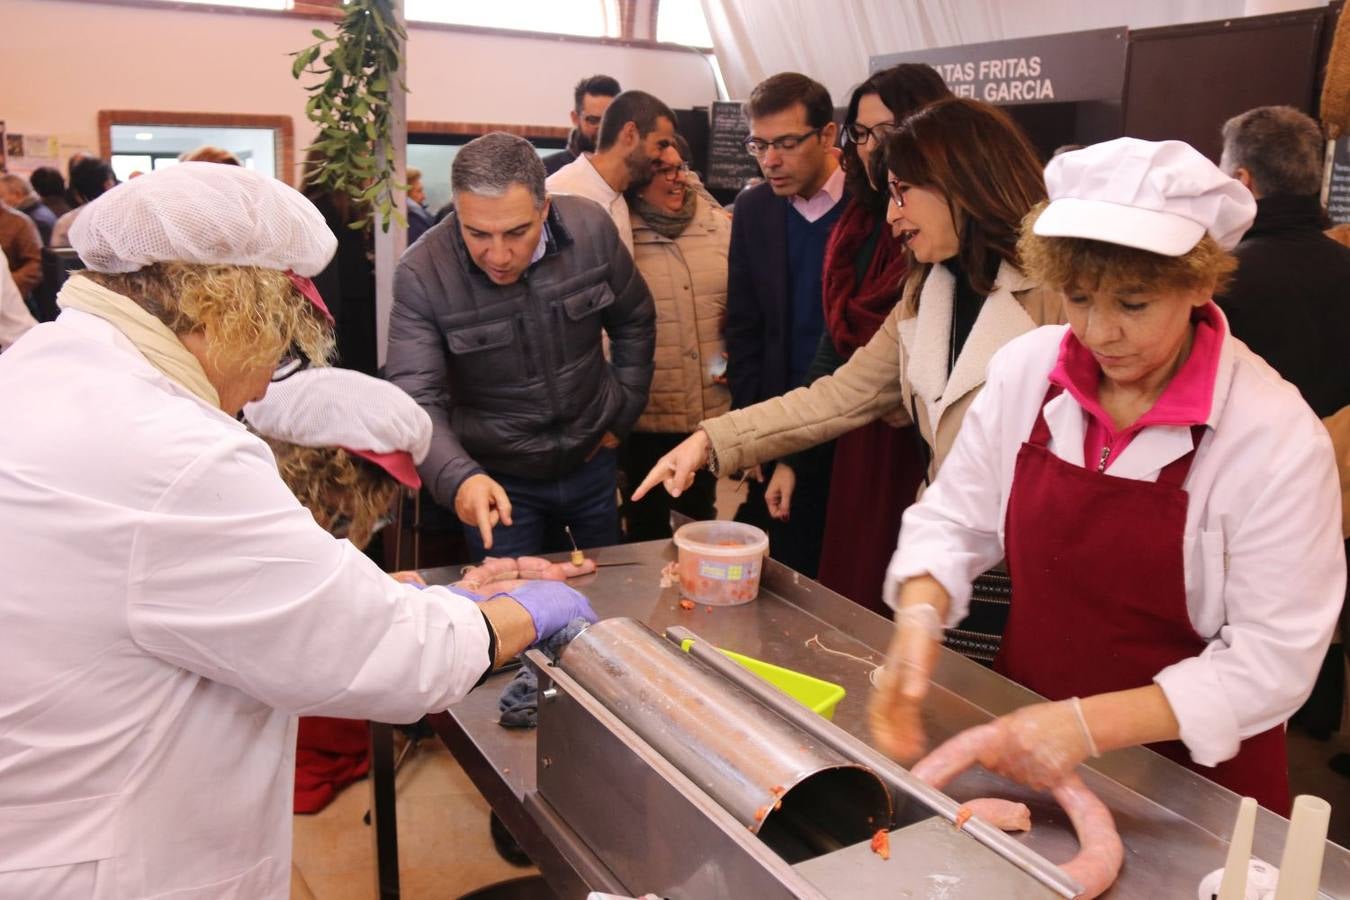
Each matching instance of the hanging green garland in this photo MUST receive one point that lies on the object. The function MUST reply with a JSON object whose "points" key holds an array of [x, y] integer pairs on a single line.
{"points": [[351, 105]]}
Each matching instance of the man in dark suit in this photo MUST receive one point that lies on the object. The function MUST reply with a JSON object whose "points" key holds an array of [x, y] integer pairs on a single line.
{"points": [[774, 313], [1290, 302]]}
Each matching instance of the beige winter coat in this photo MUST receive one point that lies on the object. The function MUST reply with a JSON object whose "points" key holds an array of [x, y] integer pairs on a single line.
{"points": [[688, 281], [901, 374]]}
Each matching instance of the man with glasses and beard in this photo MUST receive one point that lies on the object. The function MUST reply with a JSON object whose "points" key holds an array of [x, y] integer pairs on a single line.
{"points": [[591, 97], [635, 130], [774, 312]]}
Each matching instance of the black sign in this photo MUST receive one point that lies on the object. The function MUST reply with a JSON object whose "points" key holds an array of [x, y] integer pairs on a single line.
{"points": [[1338, 186], [1055, 68], [729, 166]]}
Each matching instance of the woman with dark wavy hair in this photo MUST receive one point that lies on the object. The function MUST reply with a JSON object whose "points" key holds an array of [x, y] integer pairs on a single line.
{"points": [[960, 177], [865, 266]]}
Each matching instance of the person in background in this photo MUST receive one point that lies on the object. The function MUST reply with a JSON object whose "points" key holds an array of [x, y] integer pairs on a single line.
{"points": [[90, 177], [590, 98], [159, 571], [51, 187], [1290, 298], [680, 247], [209, 153], [419, 219], [15, 319], [347, 283], [960, 176], [496, 332], [775, 313], [21, 243], [1167, 505], [16, 191], [865, 266], [634, 133]]}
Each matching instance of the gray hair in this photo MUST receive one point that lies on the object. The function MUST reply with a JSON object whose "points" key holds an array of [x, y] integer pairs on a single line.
{"points": [[1281, 147], [489, 165], [20, 185]]}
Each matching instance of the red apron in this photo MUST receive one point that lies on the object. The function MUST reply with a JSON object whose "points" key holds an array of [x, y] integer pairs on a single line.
{"points": [[1099, 596]]}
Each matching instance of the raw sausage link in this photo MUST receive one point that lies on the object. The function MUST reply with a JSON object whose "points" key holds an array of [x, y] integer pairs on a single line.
{"points": [[1005, 815], [1100, 853], [495, 570]]}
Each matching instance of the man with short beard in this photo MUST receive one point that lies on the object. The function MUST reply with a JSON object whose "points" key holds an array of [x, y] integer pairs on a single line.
{"points": [[590, 98], [635, 130]]}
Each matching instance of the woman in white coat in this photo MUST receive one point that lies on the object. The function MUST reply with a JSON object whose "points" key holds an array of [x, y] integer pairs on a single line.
{"points": [[1168, 506], [169, 608]]}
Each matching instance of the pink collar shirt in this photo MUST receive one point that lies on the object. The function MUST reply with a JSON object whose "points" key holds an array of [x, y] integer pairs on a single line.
{"points": [[1185, 401]]}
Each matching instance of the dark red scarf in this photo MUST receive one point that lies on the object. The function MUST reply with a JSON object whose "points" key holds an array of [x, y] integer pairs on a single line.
{"points": [[854, 311]]}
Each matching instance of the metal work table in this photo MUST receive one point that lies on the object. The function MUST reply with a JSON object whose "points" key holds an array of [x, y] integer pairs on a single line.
{"points": [[1174, 823]]}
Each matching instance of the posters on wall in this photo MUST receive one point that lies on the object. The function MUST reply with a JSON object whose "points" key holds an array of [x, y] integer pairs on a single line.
{"points": [[22, 152]]}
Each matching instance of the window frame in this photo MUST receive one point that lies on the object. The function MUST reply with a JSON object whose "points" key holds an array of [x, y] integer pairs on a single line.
{"points": [[281, 126], [329, 10]]}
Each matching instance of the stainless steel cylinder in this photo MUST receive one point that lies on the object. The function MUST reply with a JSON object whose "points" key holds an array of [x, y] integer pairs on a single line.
{"points": [[800, 796]]}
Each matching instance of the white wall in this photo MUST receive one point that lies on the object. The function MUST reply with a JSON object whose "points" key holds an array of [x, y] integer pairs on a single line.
{"points": [[61, 61]]}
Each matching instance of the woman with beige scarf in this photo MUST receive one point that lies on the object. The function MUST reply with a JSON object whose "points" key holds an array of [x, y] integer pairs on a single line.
{"points": [[169, 607], [680, 244]]}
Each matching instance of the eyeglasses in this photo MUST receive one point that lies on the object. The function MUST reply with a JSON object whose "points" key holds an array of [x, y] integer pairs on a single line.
{"points": [[294, 361], [670, 173], [757, 147], [861, 134], [898, 192]]}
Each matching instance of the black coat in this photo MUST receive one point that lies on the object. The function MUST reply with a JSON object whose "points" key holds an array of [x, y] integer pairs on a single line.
{"points": [[514, 376], [758, 307], [1290, 299]]}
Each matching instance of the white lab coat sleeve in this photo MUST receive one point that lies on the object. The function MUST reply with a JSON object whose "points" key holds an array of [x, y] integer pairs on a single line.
{"points": [[1282, 592], [952, 532], [231, 578]]}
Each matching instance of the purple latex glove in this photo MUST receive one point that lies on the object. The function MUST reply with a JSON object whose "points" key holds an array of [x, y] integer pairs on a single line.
{"points": [[552, 605]]}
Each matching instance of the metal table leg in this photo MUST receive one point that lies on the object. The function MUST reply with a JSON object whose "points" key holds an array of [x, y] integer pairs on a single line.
{"points": [[383, 823]]}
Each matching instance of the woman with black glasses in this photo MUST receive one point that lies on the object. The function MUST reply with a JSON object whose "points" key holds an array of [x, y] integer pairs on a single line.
{"points": [[960, 177]]}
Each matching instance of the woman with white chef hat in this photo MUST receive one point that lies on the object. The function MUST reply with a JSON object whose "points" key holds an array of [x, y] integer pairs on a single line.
{"points": [[1168, 506], [169, 607]]}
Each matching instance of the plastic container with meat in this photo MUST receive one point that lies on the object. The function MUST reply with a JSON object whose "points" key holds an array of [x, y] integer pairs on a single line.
{"points": [[721, 562]]}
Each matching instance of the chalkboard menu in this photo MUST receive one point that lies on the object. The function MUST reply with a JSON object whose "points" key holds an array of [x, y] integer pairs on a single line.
{"points": [[1338, 186], [729, 166]]}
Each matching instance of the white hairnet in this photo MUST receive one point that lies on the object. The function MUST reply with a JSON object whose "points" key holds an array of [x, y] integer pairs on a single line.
{"points": [[199, 212], [329, 407]]}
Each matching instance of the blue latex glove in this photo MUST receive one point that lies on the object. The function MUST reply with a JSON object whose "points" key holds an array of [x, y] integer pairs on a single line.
{"points": [[551, 605]]}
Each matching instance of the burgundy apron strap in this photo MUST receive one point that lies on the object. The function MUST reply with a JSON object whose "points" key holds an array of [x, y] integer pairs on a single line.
{"points": [[1040, 432], [1174, 473]]}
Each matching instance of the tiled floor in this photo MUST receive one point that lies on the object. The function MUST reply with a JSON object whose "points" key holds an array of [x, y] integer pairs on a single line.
{"points": [[443, 843]]}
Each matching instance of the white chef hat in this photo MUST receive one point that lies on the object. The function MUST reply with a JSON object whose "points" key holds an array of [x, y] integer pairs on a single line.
{"points": [[200, 212], [329, 407], [1160, 196]]}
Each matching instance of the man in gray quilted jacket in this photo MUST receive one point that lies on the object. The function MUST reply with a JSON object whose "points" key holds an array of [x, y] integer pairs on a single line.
{"points": [[496, 332]]}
